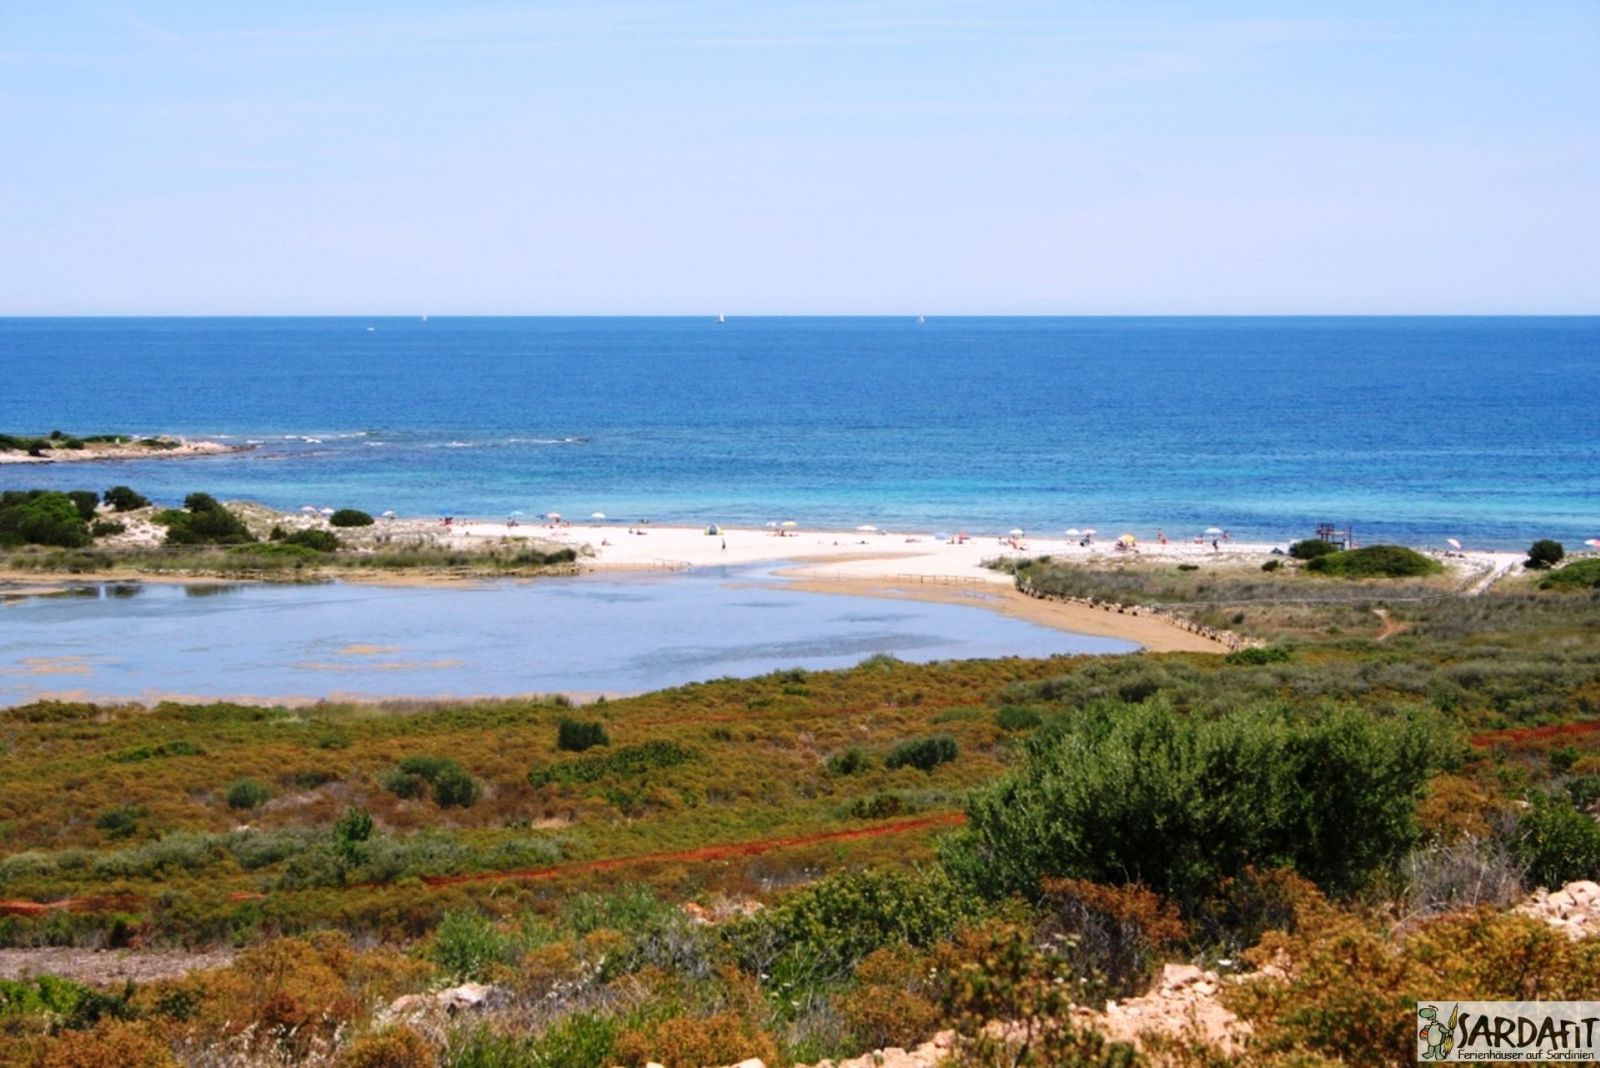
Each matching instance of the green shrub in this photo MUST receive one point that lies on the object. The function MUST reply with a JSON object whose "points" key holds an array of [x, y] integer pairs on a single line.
{"points": [[178, 747], [1375, 561], [1272, 565], [428, 767], [404, 785], [922, 753], [1258, 654], [85, 501], [350, 517], [41, 517], [1544, 554], [1017, 718], [576, 735], [454, 787], [822, 930], [203, 522], [246, 793], [1579, 575], [124, 499], [104, 528], [1557, 843], [322, 541], [1138, 793], [877, 807], [120, 822], [626, 762], [850, 762], [579, 1040], [467, 944], [1188, 567], [1312, 548]]}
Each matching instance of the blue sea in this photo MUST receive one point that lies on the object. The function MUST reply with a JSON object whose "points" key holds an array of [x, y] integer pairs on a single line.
{"points": [[1406, 429]]}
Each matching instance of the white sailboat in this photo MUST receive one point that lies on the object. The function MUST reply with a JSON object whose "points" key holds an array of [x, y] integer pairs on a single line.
{"points": [[721, 318]]}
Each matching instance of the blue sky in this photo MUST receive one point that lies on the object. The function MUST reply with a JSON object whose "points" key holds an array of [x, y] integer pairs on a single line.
{"points": [[863, 157]]}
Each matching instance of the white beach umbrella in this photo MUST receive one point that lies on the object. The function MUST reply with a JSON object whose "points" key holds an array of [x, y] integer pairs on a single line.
{"points": [[309, 509], [597, 515], [867, 528], [1453, 543], [514, 511], [772, 524], [790, 523], [327, 511], [1594, 542], [1213, 530], [389, 513], [1073, 532], [1017, 532], [553, 515]]}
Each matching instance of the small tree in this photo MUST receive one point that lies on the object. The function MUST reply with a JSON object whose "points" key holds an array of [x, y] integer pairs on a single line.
{"points": [[576, 735], [453, 786], [922, 753], [350, 517], [246, 793], [124, 499], [1543, 554], [1311, 548], [85, 501]]}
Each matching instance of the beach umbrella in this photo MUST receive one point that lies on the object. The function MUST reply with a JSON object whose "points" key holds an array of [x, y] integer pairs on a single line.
{"points": [[597, 515], [772, 524], [327, 511], [867, 528], [790, 523], [1453, 543], [1213, 530], [941, 536], [1090, 531], [309, 509], [390, 514], [553, 515], [515, 511], [1073, 532], [1017, 532], [1594, 542], [1127, 539]]}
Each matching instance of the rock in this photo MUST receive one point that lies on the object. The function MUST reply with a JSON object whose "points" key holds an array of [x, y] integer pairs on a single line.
{"points": [[465, 996], [1178, 976], [1584, 891]]}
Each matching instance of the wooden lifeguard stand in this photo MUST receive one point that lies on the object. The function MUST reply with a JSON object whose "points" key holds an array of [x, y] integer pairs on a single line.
{"points": [[1344, 539]]}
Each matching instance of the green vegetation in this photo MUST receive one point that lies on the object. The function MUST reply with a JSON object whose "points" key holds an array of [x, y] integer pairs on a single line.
{"points": [[124, 499], [576, 735], [246, 793], [350, 517], [203, 522], [42, 517], [1375, 561], [1137, 793], [925, 754], [1579, 575], [1544, 554], [1311, 548]]}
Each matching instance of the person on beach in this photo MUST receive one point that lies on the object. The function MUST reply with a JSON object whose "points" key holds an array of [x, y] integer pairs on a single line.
{"points": [[724, 544], [1161, 536]]}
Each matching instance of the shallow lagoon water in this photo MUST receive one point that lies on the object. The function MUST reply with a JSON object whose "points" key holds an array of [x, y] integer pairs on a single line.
{"points": [[569, 635]]}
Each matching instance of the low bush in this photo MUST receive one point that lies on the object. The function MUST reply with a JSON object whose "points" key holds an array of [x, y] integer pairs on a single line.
{"points": [[41, 517], [576, 735], [849, 762], [322, 541], [626, 762], [1120, 793], [1580, 575], [104, 528], [203, 522], [246, 793], [124, 499], [85, 501], [1272, 565], [1017, 718], [403, 785], [1258, 654], [350, 517], [120, 822], [922, 753], [1557, 843], [1311, 548], [1544, 554], [452, 785], [467, 944], [1375, 561]]}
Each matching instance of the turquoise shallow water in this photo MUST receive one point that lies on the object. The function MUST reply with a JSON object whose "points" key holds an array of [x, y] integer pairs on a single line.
{"points": [[583, 635], [1409, 429]]}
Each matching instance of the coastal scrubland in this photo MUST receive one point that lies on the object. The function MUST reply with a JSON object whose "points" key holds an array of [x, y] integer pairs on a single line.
{"points": [[1334, 821]]}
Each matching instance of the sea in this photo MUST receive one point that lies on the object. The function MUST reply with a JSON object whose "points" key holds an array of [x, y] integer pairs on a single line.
{"points": [[1408, 430]]}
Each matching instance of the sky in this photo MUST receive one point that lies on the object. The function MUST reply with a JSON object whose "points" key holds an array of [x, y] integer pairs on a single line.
{"points": [[861, 157]]}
